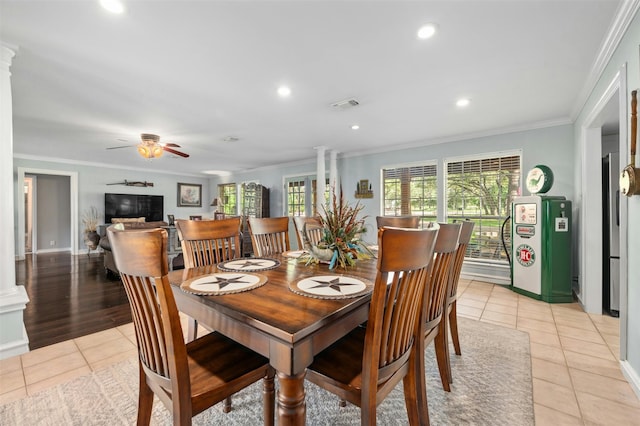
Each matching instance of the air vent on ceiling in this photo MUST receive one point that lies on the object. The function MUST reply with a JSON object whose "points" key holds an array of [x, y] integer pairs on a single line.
{"points": [[346, 104]]}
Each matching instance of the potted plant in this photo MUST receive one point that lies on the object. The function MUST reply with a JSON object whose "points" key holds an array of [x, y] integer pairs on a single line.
{"points": [[90, 220], [341, 244]]}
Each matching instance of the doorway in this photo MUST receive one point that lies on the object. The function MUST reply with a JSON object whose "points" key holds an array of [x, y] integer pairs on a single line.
{"points": [[71, 218], [29, 197]]}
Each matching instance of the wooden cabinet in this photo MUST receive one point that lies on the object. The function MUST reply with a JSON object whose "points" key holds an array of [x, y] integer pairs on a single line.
{"points": [[255, 203]]}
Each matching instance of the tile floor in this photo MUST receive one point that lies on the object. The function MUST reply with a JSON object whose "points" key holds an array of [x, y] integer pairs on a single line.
{"points": [[574, 357]]}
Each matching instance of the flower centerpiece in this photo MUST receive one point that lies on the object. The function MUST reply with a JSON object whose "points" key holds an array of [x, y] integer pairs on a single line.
{"points": [[341, 244]]}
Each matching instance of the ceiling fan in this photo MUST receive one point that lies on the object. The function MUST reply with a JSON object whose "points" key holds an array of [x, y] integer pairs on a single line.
{"points": [[150, 147]]}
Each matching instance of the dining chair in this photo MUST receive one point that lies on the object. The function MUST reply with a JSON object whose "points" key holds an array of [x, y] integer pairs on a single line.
{"points": [[434, 329], [364, 366], [269, 235], [187, 377], [398, 221], [309, 225], [208, 242], [450, 313]]}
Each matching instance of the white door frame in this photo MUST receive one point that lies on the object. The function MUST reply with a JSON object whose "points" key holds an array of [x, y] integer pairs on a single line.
{"points": [[73, 196], [590, 246]]}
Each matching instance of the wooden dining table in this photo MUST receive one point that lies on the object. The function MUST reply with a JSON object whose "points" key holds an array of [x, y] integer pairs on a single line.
{"points": [[286, 327]]}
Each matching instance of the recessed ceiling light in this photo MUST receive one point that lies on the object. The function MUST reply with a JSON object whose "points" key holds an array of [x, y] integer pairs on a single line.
{"points": [[463, 102], [355, 127], [284, 91], [113, 6], [427, 31], [217, 172]]}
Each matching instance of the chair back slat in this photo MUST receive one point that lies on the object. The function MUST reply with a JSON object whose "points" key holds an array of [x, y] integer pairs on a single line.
{"points": [[269, 235], [463, 243], [398, 221], [141, 258], [403, 261], [441, 268], [207, 242], [309, 227]]}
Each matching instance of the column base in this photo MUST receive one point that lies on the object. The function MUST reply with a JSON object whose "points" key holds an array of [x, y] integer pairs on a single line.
{"points": [[13, 335]]}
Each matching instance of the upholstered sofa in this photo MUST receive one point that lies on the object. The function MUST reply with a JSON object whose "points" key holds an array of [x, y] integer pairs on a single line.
{"points": [[109, 263]]}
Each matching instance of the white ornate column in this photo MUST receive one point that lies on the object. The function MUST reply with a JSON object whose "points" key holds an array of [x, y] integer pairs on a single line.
{"points": [[320, 179], [13, 298], [333, 175]]}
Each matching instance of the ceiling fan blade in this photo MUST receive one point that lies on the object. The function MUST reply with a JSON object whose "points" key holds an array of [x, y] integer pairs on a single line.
{"points": [[173, 151], [118, 147], [171, 145]]}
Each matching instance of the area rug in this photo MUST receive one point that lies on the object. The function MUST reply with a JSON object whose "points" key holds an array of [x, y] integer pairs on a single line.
{"points": [[492, 386]]}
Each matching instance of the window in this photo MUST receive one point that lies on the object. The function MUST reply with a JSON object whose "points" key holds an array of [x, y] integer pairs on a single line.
{"points": [[481, 189], [301, 195], [411, 190], [228, 192]]}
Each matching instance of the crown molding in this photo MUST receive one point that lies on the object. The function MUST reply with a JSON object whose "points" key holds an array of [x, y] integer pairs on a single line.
{"points": [[624, 15]]}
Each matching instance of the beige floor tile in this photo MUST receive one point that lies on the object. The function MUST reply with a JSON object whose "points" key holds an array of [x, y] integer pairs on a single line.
{"points": [[504, 301], [536, 315], [56, 366], [49, 352], [601, 411], [551, 372], [532, 324], [97, 339], [594, 364], [14, 395], [615, 350], [499, 317], [11, 380], [480, 297], [604, 319], [582, 324], [56, 380], [510, 309], [556, 397], [121, 356], [469, 312], [546, 416], [549, 339], [612, 329], [108, 349], [529, 307], [577, 333], [127, 330], [587, 348], [547, 353], [473, 303], [9, 365], [482, 291], [604, 387], [574, 306]]}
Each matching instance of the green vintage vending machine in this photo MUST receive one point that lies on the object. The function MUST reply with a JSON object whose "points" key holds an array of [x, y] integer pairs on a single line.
{"points": [[541, 241]]}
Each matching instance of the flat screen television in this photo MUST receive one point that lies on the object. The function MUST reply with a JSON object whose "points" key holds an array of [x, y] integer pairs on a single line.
{"points": [[132, 205]]}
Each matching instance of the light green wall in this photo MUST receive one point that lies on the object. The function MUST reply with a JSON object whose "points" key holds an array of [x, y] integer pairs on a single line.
{"points": [[628, 52], [93, 183]]}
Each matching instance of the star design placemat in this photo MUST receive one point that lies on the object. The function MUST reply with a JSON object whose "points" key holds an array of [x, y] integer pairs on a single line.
{"points": [[249, 264], [223, 283], [332, 287]]}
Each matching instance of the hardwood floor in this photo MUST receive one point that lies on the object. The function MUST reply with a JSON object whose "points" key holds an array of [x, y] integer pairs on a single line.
{"points": [[69, 297]]}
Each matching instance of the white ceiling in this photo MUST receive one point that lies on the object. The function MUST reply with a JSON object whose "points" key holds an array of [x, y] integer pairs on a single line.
{"points": [[197, 72]]}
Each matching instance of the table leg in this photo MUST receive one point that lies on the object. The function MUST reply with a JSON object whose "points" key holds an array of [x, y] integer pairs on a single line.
{"points": [[291, 405]]}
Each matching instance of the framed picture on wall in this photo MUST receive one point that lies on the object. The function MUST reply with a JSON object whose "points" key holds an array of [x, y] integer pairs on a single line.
{"points": [[189, 195]]}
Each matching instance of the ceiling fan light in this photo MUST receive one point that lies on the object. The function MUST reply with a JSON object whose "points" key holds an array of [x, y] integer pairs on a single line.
{"points": [[156, 151]]}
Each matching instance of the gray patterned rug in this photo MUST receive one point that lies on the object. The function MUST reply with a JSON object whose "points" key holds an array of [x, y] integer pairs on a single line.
{"points": [[492, 386]]}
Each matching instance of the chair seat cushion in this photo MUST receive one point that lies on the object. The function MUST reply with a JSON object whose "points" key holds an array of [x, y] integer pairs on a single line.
{"points": [[213, 363], [347, 354]]}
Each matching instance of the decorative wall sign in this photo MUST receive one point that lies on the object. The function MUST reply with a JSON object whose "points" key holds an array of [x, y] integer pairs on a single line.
{"points": [[127, 183], [363, 189], [189, 195]]}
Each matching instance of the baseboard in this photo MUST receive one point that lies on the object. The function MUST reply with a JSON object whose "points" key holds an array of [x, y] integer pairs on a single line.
{"points": [[632, 376], [54, 250], [493, 273]]}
